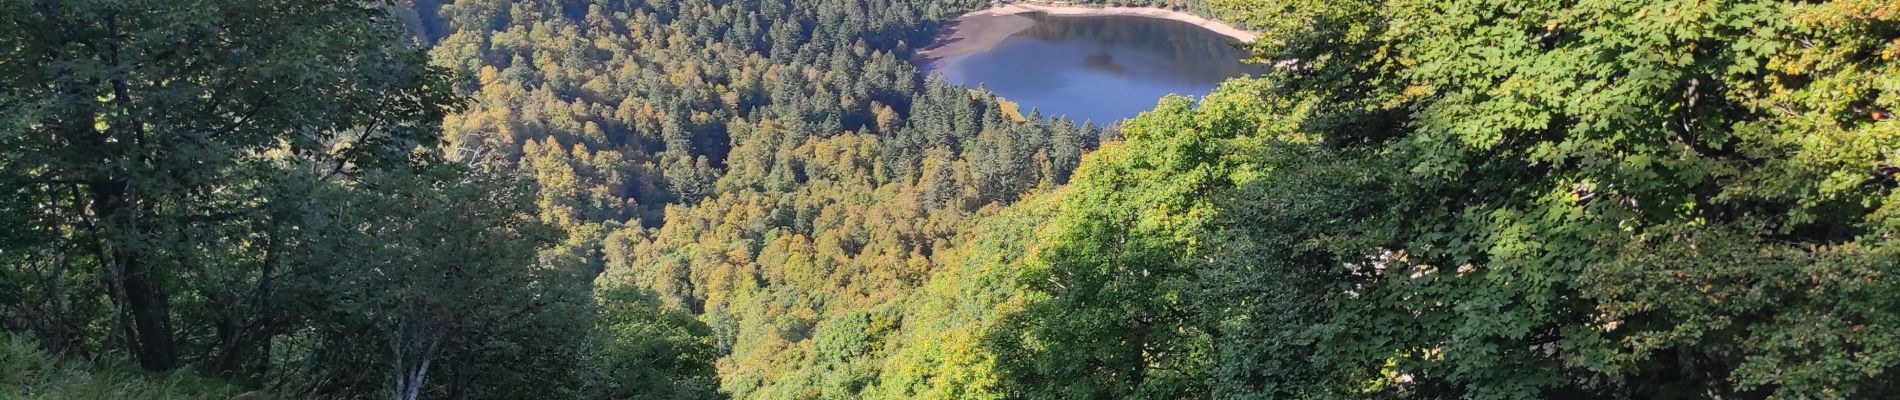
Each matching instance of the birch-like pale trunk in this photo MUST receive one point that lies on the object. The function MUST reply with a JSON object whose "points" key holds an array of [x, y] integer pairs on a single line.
{"points": [[413, 351]]}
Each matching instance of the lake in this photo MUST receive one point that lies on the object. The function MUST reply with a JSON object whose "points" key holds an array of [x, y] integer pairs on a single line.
{"points": [[1099, 68]]}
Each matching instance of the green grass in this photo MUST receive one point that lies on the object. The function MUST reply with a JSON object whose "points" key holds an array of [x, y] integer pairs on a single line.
{"points": [[28, 372]]}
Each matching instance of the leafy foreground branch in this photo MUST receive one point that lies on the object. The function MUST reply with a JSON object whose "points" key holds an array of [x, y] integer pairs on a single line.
{"points": [[254, 191]]}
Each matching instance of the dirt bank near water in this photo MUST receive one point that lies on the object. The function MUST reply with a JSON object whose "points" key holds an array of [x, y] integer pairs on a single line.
{"points": [[980, 30]]}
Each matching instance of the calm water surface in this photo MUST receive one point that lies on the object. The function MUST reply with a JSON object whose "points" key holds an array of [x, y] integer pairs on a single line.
{"points": [[1099, 68]]}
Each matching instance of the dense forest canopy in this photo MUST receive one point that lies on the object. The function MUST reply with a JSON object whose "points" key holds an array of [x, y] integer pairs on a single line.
{"points": [[359, 239], [764, 199], [1493, 200]]}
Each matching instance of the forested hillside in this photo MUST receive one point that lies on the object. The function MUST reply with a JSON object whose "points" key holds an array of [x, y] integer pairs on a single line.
{"points": [[777, 168], [709, 199]]}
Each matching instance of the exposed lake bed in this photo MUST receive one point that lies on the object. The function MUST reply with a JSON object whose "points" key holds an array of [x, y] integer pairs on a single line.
{"points": [[1099, 64]]}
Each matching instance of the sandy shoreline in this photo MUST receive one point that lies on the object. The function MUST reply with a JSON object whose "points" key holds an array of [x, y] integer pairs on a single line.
{"points": [[983, 29]]}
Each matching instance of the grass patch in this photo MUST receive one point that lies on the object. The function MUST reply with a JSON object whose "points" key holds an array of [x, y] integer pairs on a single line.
{"points": [[28, 372], [1011, 109]]}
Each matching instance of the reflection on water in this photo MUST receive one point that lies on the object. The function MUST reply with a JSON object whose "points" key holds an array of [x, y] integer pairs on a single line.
{"points": [[1102, 61], [1100, 68]]}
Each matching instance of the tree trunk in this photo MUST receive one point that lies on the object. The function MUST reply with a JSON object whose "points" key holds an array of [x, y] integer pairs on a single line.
{"points": [[249, 331], [151, 321], [458, 381], [409, 342], [409, 379]]}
